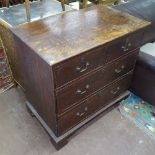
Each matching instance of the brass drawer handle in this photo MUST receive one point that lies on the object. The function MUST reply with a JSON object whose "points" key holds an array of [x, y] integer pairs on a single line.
{"points": [[126, 47], [115, 91], [81, 92], [80, 114], [83, 69], [120, 69]]}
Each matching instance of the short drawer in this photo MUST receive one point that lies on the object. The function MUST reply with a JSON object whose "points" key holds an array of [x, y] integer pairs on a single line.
{"points": [[123, 45], [71, 94], [78, 65], [92, 104], [120, 66]]}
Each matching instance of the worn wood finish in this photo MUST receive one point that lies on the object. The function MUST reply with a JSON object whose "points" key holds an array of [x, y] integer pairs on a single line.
{"points": [[38, 81], [63, 36], [79, 65], [62, 140], [79, 90], [120, 66], [92, 104], [87, 85], [75, 65], [124, 45]]}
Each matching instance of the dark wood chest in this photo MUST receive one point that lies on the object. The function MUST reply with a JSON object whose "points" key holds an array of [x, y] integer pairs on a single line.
{"points": [[76, 65]]}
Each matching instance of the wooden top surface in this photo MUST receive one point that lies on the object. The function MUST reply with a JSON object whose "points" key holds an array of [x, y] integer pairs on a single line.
{"points": [[60, 37]]}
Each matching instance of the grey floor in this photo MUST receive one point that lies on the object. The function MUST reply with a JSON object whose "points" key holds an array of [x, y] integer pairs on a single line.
{"points": [[20, 134]]}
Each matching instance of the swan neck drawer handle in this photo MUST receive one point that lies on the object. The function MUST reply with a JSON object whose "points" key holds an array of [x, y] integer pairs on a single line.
{"points": [[84, 68], [119, 70], [81, 92], [115, 91], [126, 47], [80, 114]]}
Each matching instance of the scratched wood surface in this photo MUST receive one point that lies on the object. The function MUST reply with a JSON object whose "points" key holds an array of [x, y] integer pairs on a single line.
{"points": [[62, 36]]}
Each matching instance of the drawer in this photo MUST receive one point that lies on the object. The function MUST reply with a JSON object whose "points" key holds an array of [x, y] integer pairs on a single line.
{"points": [[123, 45], [78, 66], [120, 66], [92, 104], [70, 95]]}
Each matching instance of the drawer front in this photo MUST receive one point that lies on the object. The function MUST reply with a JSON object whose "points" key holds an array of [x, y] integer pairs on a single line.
{"points": [[79, 65], [92, 104], [124, 45], [120, 66], [70, 95]]}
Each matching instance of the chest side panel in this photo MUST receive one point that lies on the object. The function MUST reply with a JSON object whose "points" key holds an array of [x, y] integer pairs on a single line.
{"points": [[38, 81]]}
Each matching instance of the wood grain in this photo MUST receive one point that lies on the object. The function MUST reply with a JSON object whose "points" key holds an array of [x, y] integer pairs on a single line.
{"points": [[63, 36], [61, 55]]}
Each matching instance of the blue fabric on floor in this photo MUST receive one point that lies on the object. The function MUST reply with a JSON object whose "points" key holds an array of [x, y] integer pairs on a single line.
{"points": [[140, 112]]}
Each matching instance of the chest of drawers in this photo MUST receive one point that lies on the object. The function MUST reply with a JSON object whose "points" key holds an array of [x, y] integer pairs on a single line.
{"points": [[76, 65]]}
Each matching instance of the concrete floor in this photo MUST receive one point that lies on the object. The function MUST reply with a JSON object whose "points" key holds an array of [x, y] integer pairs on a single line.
{"points": [[20, 134]]}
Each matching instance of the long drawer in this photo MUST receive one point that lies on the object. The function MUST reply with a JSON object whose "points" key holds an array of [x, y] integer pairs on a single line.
{"points": [[92, 104], [123, 46], [70, 95], [79, 65]]}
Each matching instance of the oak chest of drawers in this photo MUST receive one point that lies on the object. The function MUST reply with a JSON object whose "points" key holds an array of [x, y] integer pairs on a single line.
{"points": [[77, 64]]}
